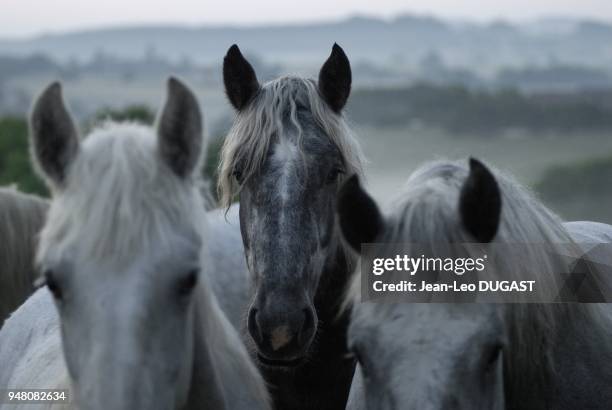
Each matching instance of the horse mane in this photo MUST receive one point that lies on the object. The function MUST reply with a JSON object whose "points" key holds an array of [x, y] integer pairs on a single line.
{"points": [[231, 359], [21, 218], [254, 128], [426, 212], [118, 188]]}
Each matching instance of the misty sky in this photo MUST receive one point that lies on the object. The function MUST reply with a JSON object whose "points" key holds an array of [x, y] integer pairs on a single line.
{"points": [[26, 17]]}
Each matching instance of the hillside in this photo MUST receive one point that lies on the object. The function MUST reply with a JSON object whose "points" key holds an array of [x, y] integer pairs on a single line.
{"points": [[404, 40]]}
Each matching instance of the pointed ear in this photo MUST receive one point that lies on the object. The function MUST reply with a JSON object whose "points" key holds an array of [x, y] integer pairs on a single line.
{"points": [[480, 203], [239, 78], [335, 79], [360, 219], [179, 130], [54, 140]]}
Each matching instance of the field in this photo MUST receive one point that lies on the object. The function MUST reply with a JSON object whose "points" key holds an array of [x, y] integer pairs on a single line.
{"points": [[394, 153]]}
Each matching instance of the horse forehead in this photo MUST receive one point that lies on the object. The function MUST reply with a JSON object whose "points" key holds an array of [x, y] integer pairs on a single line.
{"points": [[308, 154], [179, 253], [105, 231], [283, 152], [304, 132]]}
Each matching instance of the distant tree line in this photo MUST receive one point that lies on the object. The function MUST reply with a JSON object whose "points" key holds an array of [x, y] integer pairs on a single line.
{"points": [[460, 110], [579, 190], [589, 179]]}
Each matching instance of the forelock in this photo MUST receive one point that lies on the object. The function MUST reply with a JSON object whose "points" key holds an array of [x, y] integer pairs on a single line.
{"points": [[277, 105], [120, 198]]}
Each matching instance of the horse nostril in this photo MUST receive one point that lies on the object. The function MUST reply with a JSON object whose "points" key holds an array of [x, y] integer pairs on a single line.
{"points": [[253, 327], [308, 326], [280, 337]]}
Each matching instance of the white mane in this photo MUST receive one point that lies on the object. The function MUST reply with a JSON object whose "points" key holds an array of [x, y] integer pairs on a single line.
{"points": [[263, 119], [119, 197]]}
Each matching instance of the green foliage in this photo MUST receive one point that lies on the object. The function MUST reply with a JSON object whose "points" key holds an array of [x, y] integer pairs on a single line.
{"points": [[579, 191], [15, 166], [582, 179], [460, 110]]}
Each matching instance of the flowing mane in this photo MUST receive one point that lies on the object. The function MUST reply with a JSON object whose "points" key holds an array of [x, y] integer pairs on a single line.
{"points": [[277, 103], [426, 212], [117, 183]]}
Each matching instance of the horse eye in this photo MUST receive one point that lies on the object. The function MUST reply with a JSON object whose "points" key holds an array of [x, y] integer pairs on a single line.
{"points": [[189, 282], [52, 284], [238, 175], [333, 175]]}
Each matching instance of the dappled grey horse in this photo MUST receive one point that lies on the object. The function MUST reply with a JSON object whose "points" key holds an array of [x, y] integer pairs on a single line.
{"points": [[21, 218], [127, 319], [468, 355], [286, 155]]}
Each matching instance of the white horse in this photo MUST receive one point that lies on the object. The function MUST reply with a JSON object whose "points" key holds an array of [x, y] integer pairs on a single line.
{"points": [[21, 218], [127, 319], [479, 356]]}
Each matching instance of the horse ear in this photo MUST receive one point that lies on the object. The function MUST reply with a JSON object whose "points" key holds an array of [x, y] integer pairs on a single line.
{"points": [[239, 77], [480, 203], [335, 79], [360, 219], [54, 137], [179, 130]]}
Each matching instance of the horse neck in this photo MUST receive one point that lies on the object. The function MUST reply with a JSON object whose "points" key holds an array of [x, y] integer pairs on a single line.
{"points": [[223, 375]]}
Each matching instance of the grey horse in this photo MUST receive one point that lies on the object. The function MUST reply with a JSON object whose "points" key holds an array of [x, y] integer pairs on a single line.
{"points": [[470, 355], [286, 155]]}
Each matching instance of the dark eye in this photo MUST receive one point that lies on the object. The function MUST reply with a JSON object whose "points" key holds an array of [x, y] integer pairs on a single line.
{"points": [[52, 284], [333, 175], [237, 173], [189, 282]]}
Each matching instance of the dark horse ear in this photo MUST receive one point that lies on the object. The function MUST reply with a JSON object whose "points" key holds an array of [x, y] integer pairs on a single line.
{"points": [[335, 79], [480, 203], [360, 219], [239, 77], [54, 137], [179, 130]]}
